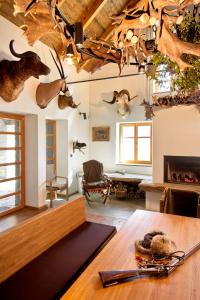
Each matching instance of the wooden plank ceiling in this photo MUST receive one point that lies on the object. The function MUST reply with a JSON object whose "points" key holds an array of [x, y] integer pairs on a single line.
{"points": [[94, 14]]}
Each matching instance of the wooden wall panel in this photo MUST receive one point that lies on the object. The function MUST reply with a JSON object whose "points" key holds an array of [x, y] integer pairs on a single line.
{"points": [[21, 244]]}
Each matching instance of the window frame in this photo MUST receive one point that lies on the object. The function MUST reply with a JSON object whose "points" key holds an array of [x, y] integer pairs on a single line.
{"points": [[156, 88], [136, 138], [21, 162]]}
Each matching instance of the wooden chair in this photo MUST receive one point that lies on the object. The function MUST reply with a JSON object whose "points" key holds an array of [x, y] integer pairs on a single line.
{"points": [[180, 202], [56, 185], [94, 181]]}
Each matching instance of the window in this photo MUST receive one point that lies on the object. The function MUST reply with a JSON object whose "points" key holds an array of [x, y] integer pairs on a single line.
{"points": [[135, 143], [11, 162], [163, 82]]}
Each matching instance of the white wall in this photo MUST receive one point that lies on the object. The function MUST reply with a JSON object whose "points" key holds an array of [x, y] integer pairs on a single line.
{"points": [[104, 114], [62, 148], [176, 131], [26, 105], [31, 160]]}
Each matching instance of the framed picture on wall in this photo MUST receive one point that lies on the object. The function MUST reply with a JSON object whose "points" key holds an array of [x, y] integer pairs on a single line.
{"points": [[101, 133]]}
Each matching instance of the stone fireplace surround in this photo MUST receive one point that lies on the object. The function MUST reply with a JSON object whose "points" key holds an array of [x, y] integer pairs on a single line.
{"points": [[179, 172]]}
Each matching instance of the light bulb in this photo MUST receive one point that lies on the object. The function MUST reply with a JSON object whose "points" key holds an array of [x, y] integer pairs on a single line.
{"points": [[129, 34], [134, 39], [144, 18], [121, 45], [152, 21], [70, 60], [179, 20], [157, 23]]}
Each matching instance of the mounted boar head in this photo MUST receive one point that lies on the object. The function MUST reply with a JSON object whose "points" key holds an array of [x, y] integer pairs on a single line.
{"points": [[13, 74], [47, 91], [121, 98]]}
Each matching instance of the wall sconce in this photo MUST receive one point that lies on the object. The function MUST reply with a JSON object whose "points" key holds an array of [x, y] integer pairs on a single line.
{"points": [[70, 52], [141, 69], [79, 146], [84, 115], [70, 55], [78, 35]]}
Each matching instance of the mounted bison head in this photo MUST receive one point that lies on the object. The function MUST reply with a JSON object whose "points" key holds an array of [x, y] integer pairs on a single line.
{"points": [[13, 74]]}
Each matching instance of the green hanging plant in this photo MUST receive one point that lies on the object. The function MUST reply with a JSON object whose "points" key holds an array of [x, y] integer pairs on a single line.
{"points": [[187, 81]]}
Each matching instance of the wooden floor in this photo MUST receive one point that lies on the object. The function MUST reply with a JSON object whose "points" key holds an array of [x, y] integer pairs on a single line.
{"points": [[114, 212]]}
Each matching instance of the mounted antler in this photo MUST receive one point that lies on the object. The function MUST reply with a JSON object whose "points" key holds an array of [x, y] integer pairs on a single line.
{"points": [[179, 47], [13, 74], [47, 91], [121, 98], [115, 94]]}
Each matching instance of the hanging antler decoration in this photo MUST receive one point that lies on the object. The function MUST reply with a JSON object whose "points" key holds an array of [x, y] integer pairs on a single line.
{"points": [[159, 15], [129, 39]]}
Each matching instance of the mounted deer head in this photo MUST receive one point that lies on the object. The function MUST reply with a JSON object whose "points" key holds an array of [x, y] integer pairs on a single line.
{"points": [[47, 91], [121, 98], [13, 74]]}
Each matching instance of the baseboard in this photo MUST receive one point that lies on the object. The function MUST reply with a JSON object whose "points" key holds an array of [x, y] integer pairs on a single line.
{"points": [[74, 193], [41, 208]]}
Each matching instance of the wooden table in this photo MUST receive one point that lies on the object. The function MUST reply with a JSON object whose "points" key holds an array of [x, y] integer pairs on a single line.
{"points": [[128, 177], [182, 284], [130, 181]]}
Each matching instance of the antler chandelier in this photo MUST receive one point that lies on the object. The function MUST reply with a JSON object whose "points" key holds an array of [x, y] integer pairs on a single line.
{"points": [[130, 42]]}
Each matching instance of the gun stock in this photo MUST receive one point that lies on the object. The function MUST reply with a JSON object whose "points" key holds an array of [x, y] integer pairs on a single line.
{"points": [[109, 278]]}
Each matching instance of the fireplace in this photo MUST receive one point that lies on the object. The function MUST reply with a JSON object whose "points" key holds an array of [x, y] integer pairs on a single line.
{"points": [[182, 169]]}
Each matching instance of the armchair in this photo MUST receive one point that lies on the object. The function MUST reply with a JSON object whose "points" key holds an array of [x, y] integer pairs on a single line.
{"points": [[94, 181], [180, 202], [55, 185]]}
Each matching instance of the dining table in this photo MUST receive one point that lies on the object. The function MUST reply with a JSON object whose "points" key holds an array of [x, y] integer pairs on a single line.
{"points": [[120, 254]]}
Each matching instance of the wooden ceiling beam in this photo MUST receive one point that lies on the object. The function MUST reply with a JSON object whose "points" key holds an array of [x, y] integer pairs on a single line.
{"points": [[105, 36], [92, 12]]}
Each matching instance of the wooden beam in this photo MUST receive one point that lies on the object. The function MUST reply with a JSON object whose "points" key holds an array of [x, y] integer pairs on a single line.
{"points": [[92, 12], [105, 36]]}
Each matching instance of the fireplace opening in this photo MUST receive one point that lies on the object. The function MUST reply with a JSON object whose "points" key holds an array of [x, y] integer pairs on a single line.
{"points": [[182, 169]]}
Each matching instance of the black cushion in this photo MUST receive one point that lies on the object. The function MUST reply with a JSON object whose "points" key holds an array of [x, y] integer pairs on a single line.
{"points": [[50, 274]]}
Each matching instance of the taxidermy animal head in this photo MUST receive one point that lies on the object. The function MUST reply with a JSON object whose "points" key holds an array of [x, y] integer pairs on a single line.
{"points": [[47, 91], [79, 146], [149, 114], [13, 74], [121, 99]]}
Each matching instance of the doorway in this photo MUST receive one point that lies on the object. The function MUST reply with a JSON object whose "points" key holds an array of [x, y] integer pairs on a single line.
{"points": [[56, 148], [50, 148]]}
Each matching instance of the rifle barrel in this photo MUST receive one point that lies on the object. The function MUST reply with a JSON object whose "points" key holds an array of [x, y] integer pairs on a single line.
{"points": [[190, 252]]}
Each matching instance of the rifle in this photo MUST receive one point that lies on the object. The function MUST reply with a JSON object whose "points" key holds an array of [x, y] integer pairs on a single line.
{"points": [[109, 278]]}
